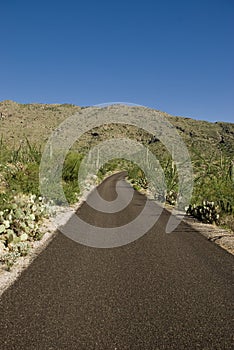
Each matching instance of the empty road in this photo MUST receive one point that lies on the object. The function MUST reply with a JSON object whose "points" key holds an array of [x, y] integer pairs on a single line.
{"points": [[162, 291]]}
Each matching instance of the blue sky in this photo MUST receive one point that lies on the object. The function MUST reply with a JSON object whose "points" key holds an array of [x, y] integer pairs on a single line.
{"points": [[173, 55]]}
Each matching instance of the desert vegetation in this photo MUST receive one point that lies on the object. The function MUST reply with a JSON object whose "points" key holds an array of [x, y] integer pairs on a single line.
{"points": [[24, 131]]}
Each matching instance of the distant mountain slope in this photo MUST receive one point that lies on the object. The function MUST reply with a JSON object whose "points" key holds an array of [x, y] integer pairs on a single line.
{"points": [[34, 121], [37, 121]]}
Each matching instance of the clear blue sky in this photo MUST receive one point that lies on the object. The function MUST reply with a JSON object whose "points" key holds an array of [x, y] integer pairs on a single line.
{"points": [[173, 55]]}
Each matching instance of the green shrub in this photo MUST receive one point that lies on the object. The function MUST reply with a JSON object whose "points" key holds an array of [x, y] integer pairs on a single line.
{"points": [[70, 176]]}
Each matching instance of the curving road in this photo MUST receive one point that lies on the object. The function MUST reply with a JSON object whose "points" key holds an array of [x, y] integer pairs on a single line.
{"points": [[163, 291]]}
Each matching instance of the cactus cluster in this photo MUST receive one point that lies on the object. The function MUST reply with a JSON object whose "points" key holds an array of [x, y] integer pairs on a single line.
{"points": [[139, 182], [13, 252], [171, 197], [208, 212], [19, 224]]}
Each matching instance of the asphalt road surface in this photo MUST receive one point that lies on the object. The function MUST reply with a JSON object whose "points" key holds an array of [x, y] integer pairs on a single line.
{"points": [[163, 291]]}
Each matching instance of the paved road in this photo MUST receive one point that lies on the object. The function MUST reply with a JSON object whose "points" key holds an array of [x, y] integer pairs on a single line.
{"points": [[163, 291]]}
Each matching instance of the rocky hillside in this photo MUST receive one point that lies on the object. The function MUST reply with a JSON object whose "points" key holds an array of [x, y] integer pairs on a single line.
{"points": [[36, 122]]}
